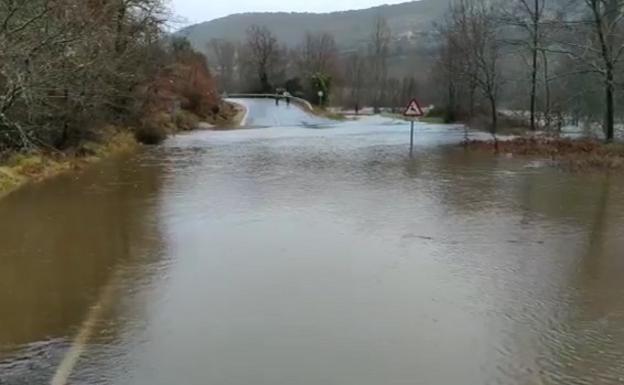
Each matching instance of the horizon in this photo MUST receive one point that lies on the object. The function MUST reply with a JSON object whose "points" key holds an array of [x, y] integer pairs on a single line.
{"points": [[193, 12]]}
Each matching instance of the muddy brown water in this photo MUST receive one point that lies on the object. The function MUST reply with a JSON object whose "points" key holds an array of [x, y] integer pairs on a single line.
{"points": [[294, 256]]}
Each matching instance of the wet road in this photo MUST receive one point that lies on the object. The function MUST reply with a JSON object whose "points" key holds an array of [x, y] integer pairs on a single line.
{"points": [[266, 113], [290, 255]]}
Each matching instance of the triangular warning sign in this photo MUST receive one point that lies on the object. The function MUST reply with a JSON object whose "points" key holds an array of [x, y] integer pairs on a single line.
{"points": [[413, 109]]}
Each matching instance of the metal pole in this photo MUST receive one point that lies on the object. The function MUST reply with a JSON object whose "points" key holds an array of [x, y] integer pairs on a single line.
{"points": [[412, 138]]}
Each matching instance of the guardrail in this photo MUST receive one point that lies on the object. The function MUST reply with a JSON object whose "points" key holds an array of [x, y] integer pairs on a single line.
{"points": [[307, 105]]}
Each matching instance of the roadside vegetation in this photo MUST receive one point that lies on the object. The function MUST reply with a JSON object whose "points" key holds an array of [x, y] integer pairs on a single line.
{"points": [[572, 154], [505, 67], [80, 79], [527, 57]]}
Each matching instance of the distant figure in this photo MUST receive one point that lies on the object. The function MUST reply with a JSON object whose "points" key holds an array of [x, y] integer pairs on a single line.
{"points": [[357, 108], [287, 96], [277, 99]]}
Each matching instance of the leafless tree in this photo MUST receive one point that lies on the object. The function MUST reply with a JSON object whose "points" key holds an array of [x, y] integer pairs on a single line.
{"points": [[608, 44], [317, 54], [263, 53], [476, 23], [527, 16], [594, 41], [470, 56], [67, 63], [379, 50], [355, 78], [224, 61]]}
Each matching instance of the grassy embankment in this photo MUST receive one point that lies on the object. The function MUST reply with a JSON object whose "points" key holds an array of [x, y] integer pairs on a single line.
{"points": [[17, 169], [572, 154], [323, 112]]}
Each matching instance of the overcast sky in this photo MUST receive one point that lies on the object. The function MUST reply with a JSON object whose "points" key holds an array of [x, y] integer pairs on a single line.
{"points": [[195, 11]]}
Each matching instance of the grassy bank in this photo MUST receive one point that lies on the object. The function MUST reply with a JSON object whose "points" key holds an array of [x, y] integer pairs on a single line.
{"points": [[21, 168], [424, 119], [324, 113], [17, 169], [573, 154]]}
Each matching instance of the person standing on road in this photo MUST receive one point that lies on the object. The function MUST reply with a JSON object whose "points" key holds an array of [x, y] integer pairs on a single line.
{"points": [[287, 97]]}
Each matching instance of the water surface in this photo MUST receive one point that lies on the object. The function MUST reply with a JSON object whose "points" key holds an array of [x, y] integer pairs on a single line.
{"points": [[290, 255]]}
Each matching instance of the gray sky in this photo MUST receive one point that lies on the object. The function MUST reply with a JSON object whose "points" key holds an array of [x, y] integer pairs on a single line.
{"points": [[194, 11]]}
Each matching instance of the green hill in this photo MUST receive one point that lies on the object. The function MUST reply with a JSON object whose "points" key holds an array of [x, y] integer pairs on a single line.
{"points": [[350, 28]]}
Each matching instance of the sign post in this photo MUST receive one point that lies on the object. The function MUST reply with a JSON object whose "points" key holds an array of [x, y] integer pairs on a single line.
{"points": [[411, 137], [412, 111]]}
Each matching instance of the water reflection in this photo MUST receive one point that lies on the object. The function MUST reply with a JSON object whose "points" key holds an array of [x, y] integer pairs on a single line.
{"points": [[62, 244]]}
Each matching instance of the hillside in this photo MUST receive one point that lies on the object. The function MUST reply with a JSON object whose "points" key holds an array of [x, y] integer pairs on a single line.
{"points": [[351, 28]]}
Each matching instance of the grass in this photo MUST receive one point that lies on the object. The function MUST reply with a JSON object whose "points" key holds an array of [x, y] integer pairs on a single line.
{"points": [[21, 168], [573, 154], [328, 114], [424, 119], [432, 120]]}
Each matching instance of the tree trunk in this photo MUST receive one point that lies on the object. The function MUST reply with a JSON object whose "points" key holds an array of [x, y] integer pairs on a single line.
{"points": [[610, 100], [471, 100], [547, 102], [534, 53], [451, 115], [494, 112]]}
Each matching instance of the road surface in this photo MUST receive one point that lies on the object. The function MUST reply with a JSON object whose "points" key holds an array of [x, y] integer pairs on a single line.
{"points": [[265, 113]]}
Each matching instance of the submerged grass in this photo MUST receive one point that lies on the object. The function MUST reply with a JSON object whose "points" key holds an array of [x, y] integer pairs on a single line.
{"points": [[573, 154], [322, 112]]}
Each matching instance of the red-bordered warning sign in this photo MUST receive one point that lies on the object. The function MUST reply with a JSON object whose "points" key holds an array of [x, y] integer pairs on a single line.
{"points": [[413, 109]]}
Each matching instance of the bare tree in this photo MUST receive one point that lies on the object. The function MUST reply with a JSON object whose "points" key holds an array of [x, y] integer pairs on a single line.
{"points": [[224, 54], [379, 50], [64, 64], [450, 67], [475, 22], [594, 40], [607, 18], [355, 77], [263, 54], [527, 16], [317, 54]]}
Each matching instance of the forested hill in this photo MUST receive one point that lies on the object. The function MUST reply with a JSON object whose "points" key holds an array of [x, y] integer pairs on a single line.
{"points": [[350, 28]]}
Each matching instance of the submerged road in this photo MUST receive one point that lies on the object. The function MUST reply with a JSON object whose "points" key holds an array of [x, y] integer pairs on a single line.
{"points": [[265, 113], [285, 254]]}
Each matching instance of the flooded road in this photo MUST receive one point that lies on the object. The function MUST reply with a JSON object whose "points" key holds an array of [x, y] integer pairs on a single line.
{"points": [[290, 255]]}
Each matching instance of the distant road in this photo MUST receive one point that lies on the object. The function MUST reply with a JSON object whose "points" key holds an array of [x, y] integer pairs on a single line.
{"points": [[264, 113]]}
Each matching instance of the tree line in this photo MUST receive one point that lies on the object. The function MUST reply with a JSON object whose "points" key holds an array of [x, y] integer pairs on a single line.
{"points": [[354, 79], [552, 62], [69, 66], [556, 59]]}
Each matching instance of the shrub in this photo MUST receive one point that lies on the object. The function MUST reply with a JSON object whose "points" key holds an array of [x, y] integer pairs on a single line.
{"points": [[186, 121], [447, 116], [154, 129]]}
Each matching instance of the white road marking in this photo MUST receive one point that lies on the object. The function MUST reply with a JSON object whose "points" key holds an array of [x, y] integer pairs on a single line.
{"points": [[79, 344]]}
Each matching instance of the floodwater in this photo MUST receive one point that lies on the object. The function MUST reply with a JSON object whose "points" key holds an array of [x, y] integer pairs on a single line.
{"points": [[296, 256]]}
